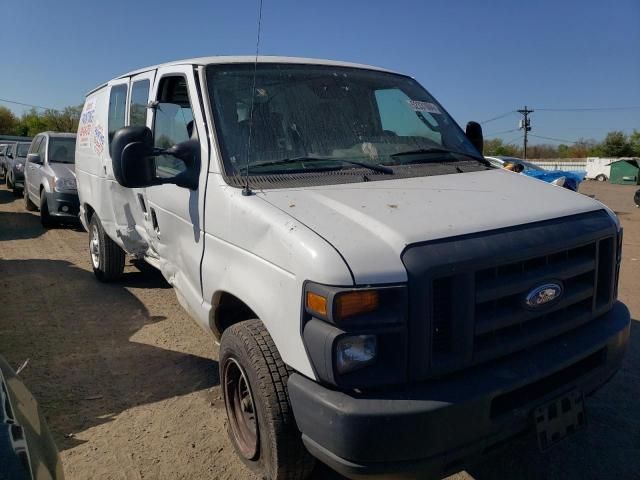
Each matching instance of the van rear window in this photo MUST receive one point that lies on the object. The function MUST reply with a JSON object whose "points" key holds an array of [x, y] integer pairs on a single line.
{"points": [[117, 107]]}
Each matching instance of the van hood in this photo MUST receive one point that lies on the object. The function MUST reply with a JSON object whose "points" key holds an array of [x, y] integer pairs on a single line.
{"points": [[63, 170], [371, 223]]}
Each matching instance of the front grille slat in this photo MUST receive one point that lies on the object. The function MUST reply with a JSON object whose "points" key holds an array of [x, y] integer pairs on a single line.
{"points": [[515, 314], [506, 285]]}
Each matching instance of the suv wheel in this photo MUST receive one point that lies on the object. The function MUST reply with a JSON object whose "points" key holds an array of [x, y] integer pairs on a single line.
{"points": [[601, 178], [261, 425], [46, 219], [28, 204], [107, 258]]}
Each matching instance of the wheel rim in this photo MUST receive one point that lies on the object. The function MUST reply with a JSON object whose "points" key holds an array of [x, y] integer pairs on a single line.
{"points": [[94, 247], [240, 409]]}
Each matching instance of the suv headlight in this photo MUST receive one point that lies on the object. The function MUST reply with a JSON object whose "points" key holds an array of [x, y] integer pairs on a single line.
{"points": [[19, 167], [356, 337], [65, 184]]}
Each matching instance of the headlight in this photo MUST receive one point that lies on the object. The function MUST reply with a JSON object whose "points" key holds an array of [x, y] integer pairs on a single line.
{"points": [[356, 337], [63, 184], [19, 166], [354, 352], [559, 181]]}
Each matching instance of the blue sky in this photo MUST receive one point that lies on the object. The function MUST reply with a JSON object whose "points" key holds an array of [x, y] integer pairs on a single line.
{"points": [[479, 58]]}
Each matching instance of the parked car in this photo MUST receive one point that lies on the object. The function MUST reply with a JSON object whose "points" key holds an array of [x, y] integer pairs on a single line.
{"points": [[373, 282], [50, 178], [561, 178], [3, 148], [4, 159], [27, 449], [15, 158]]}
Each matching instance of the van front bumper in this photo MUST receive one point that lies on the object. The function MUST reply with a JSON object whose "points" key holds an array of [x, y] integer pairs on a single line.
{"points": [[437, 427], [63, 204]]}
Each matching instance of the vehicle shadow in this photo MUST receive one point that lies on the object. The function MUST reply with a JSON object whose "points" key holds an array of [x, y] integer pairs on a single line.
{"points": [[6, 196], [608, 448], [84, 367], [19, 225]]}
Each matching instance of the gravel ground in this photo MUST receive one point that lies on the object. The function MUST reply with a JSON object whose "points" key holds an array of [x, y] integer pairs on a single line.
{"points": [[129, 384]]}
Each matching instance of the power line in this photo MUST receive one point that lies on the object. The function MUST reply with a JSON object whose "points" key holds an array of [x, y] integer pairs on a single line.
{"points": [[493, 134], [4, 100], [498, 117], [554, 139], [589, 109], [512, 139]]}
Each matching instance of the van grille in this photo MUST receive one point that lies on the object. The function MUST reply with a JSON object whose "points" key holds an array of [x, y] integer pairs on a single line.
{"points": [[501, 322], [467, 294]]}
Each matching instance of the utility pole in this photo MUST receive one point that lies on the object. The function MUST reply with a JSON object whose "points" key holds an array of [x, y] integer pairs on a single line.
{"points": [[525, 124]]}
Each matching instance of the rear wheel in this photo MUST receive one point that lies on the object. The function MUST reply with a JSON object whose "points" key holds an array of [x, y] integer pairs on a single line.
{"points": [[107, 258], [262, 428], [28, 204], [601, 178]]}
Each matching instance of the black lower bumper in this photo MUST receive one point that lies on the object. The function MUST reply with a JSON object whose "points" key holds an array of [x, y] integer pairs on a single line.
{"points": [[63, 204], [437, 427]]}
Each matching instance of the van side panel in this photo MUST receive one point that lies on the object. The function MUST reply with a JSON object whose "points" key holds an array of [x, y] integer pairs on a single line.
{"points": [[117, 207]]}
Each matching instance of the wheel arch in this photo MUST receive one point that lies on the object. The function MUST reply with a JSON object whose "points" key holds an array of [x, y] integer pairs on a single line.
{"points": [[228, 309]]}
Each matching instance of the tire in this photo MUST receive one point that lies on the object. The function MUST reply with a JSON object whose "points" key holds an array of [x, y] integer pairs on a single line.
{"points": [[28, 204], [45, 217], [107, 258], [601, 178], [254, 387]]}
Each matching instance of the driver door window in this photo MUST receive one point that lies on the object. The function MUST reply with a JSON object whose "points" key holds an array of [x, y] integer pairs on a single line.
{"points": [[173, 123]]}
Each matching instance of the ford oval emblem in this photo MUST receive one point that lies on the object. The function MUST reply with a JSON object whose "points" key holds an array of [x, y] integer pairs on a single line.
{"points": [[543, 295]]}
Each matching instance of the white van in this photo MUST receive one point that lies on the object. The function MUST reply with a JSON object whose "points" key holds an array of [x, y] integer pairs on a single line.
{"points": [[383, 301]]}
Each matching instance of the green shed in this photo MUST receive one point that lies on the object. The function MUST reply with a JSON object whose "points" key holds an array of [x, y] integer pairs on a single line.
{"points": [[625, 171]]}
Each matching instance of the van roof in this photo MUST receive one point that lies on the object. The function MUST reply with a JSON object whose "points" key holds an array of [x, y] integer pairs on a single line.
{"points": [[244, 59], [57, 134]]}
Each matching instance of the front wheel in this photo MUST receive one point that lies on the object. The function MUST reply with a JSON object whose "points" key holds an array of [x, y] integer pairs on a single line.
{"points": [[28, 204], [601, 178], [107, 258], [262, 428], [46, 219]]}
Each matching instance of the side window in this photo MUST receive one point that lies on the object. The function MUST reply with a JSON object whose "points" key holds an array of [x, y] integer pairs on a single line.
{"points": [[34, 145], [398, 118], [42, 148], [117, 106], [138, 103], [173, 123]]}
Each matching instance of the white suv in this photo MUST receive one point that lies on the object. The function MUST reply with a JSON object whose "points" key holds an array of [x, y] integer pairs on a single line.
{"points": [[383, 300]]}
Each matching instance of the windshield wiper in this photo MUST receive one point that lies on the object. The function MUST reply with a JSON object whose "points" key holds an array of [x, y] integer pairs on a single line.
{"points": [[418, 151], [301, 159]]}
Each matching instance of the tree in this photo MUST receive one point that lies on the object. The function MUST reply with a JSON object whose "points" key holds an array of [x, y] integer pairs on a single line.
{"points": [[616, 144], [634, 142], [8, 122], [496, 146]]}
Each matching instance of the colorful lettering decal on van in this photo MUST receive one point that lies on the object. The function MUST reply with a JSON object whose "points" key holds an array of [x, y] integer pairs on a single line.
{"points": [[98, 140], [86, 123], [419, 106]]}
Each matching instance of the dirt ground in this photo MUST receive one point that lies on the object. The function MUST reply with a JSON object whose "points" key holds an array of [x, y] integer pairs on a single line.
{"points": [[129, 383]]}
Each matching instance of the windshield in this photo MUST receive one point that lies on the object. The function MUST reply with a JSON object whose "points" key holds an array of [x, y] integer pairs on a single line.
{"points": [[314, 116], [62, 150], [23, 148]]}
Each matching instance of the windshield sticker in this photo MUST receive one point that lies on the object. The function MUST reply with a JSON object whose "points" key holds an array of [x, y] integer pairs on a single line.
{"points": [[420, 106], [86, 123]]}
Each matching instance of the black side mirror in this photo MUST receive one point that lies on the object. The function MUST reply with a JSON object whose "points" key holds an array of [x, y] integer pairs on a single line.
{"points": [[132, 154], [474, 134], [132, 157], [34, 158]]}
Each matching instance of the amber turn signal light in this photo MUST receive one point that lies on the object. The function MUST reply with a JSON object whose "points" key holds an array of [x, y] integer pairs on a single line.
{"points": [[354, 303], [316, 304]]}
